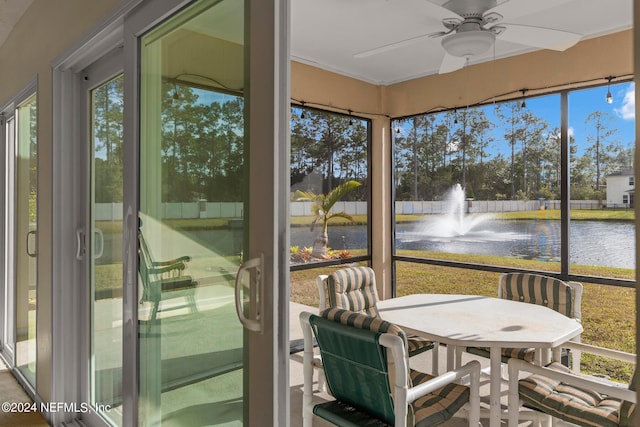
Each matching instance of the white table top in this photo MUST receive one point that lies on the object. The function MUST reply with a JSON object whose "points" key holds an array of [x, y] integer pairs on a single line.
{"points": [[473, 320]]}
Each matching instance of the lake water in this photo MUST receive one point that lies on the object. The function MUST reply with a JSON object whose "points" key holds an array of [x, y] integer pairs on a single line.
{"points": [[600, 243]]}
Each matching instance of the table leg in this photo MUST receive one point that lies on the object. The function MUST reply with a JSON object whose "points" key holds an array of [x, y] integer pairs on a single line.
{"points": [[494, 388], [451, 352]]}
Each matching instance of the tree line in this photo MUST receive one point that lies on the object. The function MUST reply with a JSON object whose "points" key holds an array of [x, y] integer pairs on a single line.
{"points": [[516, 157]]}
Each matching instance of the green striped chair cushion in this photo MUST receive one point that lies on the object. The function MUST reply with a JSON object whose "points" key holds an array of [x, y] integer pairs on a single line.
{"points": [[417, 344], [362, 321], [537, 289], [527, 354], [572, 404], [439, 406], [354, 289]]}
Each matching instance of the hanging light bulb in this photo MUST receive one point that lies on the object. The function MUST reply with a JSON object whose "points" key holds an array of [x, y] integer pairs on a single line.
{"points": [[609, 97], [524, 103], [176, 95], [455, 116], [302, 113], [350, 118]]}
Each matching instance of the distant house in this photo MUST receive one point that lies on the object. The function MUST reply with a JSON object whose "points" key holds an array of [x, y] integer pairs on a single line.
{"points": [[620, 189]]}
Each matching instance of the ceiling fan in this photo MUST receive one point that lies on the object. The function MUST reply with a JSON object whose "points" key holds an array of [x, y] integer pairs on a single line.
{"points": [[472, 26]]}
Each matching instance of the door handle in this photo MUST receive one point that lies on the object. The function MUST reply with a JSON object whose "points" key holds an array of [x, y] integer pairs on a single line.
{"points": [[255, 320], [80, 245], [33, 253], [98, 246]]}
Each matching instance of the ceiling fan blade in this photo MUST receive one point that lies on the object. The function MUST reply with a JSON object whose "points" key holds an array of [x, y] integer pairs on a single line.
{"points": [[545, 38], [451, 63], [390, 46], [514, 8], [431, 10]]}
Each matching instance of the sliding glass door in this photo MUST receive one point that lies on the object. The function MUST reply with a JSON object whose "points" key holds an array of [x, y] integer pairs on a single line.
{"points": [[205, 332]]}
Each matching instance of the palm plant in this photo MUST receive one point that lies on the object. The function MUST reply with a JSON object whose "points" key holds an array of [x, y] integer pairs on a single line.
{"points": [[321, 209]]}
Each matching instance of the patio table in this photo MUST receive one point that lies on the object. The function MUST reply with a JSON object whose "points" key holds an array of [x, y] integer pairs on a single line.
{"points": [[478, 321]]}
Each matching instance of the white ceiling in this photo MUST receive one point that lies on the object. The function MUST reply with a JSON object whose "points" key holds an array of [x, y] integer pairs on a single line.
{"points": [[328, 33], [10, 13]]}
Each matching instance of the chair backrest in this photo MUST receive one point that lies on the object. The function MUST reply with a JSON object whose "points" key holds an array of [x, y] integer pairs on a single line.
{"points": [[563, 297], [145, 263], [356, 365], [628, 409], [353, 289]]}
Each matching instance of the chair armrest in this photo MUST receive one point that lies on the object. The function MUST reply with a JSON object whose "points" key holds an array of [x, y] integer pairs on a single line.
{"points": [[601, 351], [404, 396], [181, 259], [591, 383], [167, 269], [472, 368]]}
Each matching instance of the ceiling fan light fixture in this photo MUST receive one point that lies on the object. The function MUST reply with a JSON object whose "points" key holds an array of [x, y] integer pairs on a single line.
{"points": [[466, 44]]}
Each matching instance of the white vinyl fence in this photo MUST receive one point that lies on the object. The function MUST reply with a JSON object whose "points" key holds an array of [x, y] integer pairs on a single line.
{"points": [[113, 211]]}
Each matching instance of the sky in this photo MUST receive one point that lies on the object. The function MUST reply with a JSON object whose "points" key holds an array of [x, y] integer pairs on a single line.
{"points": [[584, 102]]}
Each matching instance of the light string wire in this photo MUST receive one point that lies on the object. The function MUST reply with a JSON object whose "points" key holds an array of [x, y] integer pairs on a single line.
{"points": [[502, 97]]}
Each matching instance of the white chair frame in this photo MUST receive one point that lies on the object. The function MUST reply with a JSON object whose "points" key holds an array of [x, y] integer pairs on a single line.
{"points": [[403, 395]]}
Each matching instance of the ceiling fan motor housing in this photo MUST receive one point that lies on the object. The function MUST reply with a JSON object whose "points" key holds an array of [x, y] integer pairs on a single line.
{"points": [[469, 39]]}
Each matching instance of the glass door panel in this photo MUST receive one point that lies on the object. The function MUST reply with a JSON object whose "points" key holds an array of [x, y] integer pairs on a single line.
{"points": [[26, 238], [105, 248], [191, 218]]}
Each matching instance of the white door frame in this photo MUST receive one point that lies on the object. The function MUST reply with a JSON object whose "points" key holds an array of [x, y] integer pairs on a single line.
{"points": [[269, 91]]}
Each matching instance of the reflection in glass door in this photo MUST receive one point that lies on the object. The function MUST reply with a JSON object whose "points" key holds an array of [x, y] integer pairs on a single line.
{"points": [[26, 237], [105, 248], [191, 217]]}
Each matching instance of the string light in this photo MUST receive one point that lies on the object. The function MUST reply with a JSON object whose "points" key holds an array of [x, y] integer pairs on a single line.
{"points": [[609, 97], [524, 103]]}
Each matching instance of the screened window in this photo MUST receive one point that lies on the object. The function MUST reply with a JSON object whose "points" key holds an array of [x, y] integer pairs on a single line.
{"points": [[601, 161], [329, 187], [481, 186]]}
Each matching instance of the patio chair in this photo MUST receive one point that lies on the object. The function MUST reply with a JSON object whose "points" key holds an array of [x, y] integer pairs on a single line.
{"points": [[354, 289], [162, 280], [366, 367], [582, 400], [563, 297]]}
